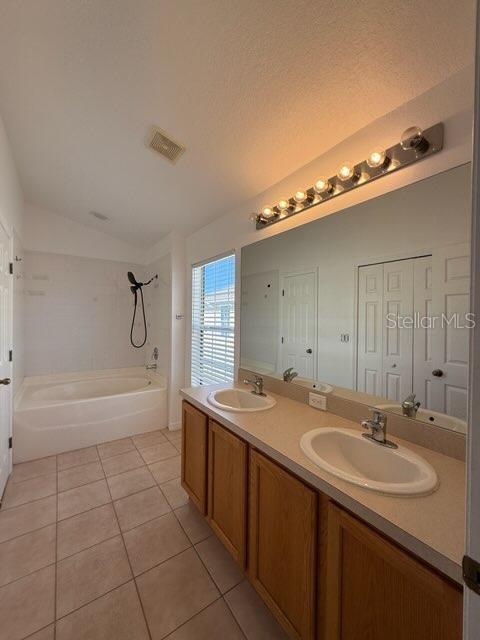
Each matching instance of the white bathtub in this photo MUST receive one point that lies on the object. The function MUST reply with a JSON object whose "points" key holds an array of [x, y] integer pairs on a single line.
{"points": [[60, 412]]}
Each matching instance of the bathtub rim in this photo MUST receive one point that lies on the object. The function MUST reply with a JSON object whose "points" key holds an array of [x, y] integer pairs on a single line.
{"points": [[158, 382]]}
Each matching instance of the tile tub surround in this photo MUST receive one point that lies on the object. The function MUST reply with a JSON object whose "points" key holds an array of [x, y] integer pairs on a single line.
{"points": [[88, 560], [431, 527], [78, 313], [445, 441]]}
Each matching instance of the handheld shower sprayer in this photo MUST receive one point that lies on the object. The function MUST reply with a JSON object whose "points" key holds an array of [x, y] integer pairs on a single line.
{"points": [[138, 286]]}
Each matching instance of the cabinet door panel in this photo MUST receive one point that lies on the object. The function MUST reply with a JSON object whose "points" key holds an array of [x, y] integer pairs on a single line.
{"points": [[194, 455], [282, 544], [375, 590], [227, 489]]}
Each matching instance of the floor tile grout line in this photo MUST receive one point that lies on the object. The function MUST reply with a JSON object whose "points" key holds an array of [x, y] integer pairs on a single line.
{"points": [[180, 523], [91, 546], [26, 575], [131, 568], [234, 616], [22, 504], [120, 532], [39, 630], [26, 533], [39, 475], [85, 604], [197, 613]]}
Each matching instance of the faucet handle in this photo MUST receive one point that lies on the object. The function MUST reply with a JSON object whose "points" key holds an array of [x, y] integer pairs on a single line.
{"points": [[378, 417]]}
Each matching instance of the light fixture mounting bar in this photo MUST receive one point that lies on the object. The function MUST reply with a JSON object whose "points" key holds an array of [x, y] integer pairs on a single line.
{"points": [[397, 158]]}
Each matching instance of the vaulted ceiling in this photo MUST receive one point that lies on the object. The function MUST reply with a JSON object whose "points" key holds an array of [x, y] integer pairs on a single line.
{"points": [[253, 88]]}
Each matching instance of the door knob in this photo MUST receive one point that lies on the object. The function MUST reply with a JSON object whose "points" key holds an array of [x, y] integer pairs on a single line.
{"points": [[438, 373], [309, 351], [5, 381]]}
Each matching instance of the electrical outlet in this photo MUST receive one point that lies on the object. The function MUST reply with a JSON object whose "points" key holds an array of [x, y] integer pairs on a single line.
{"points": [[317, 401]]}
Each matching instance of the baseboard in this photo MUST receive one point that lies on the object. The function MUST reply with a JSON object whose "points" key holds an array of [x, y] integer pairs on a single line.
{"points": [[174, 426]]}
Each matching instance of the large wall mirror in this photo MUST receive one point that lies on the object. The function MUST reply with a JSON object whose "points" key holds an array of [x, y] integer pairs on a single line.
{"points": [[370, 303]]}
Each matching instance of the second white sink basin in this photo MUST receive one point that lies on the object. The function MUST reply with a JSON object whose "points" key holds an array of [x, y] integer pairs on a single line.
{"points": [[240, 400], [347, 455]]}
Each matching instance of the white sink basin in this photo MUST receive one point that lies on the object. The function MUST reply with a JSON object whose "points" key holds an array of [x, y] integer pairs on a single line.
{"points": [[347, 455], [432, 417], [239, 400]]}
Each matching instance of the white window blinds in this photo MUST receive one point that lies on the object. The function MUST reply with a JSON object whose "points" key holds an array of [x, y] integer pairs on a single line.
{"points": [[213, 321]]}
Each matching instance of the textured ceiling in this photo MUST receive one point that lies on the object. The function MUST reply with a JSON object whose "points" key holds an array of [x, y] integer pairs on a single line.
{"points": [[254, 89]]}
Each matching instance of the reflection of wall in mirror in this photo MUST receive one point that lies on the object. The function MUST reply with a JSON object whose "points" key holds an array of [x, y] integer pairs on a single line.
{"points": [[259, 321], [411, 221]]}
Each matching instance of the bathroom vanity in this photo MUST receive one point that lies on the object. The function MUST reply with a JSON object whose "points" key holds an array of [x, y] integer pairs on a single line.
{"points": [[330, 559]]}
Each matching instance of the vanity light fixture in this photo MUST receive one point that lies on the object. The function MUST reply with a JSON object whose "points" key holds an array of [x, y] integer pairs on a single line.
{"points": [[413, 138], [378, 158], [322, 186], [268, 212], [300, 197], [347, 172], [414, 145]]}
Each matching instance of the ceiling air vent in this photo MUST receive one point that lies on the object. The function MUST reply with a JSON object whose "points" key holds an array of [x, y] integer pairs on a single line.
{"points": [[99, 216], [165, 146]]}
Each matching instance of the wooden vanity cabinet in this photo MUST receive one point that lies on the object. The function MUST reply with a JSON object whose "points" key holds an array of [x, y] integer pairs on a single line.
{"points": [[194, 455], [324, 574], [374, 590], [227, 489], [282, 549]]}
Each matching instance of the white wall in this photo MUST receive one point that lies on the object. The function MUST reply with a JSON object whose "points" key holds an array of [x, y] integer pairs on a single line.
{"points": [[78, 314], [412, 221], [51, 233], [450, 102]]}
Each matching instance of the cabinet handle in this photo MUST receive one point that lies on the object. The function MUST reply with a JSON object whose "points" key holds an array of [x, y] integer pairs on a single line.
{"points": [[5, 381], [438, 373], [309, 351]]}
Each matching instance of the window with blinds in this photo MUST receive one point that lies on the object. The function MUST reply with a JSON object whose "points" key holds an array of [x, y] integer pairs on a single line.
{"points": [[213, 321]]}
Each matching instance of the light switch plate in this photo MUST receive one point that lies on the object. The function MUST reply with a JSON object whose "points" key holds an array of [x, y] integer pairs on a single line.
{"points": [[317, 401]]}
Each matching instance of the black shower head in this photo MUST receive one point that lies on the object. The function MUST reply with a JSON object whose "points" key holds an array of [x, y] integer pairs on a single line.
{"points": [[132, 279]]}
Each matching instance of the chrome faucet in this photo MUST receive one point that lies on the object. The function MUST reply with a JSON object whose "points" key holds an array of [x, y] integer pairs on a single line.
{"points": [[257, 385], [409, 406], [289, 374], [378, 425], [153, 365]]}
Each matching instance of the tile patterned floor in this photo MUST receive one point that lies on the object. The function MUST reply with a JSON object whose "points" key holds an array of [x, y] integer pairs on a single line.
{"points": [[102, 543]]}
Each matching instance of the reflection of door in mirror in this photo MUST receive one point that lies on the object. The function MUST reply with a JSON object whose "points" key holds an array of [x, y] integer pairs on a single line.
{"points": [[442, 286], [412, 330], [299, 323]]}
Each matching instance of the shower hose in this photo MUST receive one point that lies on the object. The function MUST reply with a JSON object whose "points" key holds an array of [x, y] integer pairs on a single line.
{"points": [[139, 346]]}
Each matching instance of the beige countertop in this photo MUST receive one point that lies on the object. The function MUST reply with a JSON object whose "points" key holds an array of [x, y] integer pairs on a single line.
{"points": [[432, 527]]}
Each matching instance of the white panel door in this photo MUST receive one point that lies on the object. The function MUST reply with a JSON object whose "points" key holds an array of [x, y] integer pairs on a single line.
{"points": [[450, 338], [369, 329], [5, 365], [423, 332], [299, 323], [397, 336]]}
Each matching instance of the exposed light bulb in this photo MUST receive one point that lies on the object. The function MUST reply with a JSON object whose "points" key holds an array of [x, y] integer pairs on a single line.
{"points": [[322, 185], [267, 212], [346, 171], [377, 158], [300, 197], [283, 204], [413, 139]]}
